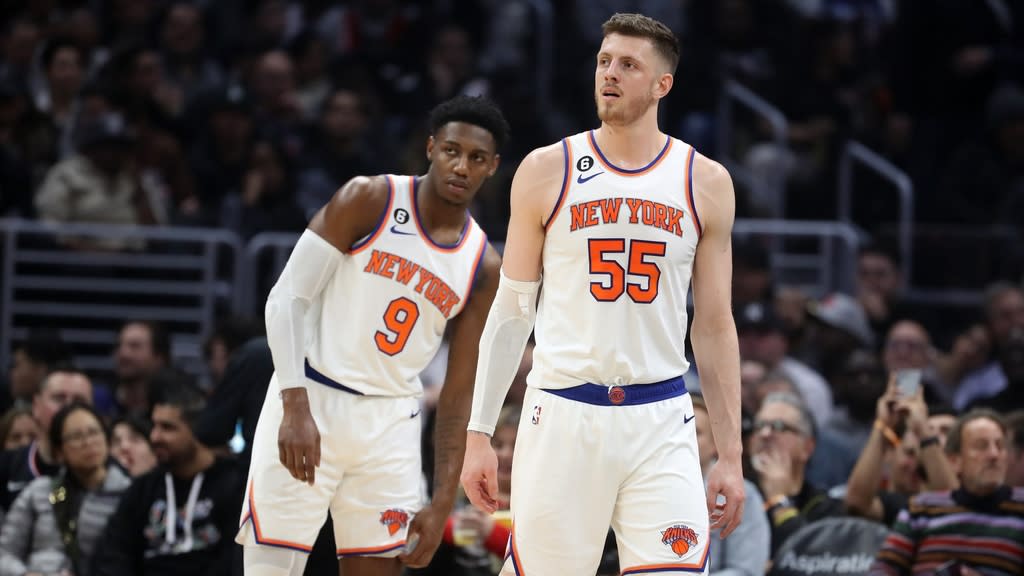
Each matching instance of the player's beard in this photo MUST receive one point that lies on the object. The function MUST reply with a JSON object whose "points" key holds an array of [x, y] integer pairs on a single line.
{"points": [[622, 112]]}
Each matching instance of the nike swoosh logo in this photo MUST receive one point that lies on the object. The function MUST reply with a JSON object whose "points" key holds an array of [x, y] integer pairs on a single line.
{"points": [[686, 420], [583, 180], [395, 230], [415, 414]]}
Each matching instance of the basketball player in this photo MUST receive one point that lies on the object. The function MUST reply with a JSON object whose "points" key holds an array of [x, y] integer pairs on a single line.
{"points": [[357, 313], [615, 219]]}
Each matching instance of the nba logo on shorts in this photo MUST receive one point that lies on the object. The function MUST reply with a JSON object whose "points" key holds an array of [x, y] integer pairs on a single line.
{"points": [[536, 415], [680, 538]]}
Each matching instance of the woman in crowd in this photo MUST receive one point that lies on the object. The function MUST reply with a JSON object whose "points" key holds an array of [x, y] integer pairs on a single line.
{"points": [[18, 428], [55, 523]]}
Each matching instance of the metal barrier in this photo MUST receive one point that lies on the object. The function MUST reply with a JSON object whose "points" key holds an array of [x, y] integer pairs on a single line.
{"points": [[258, 274], [831, 267], [887, 170], [85, 280], [733, 91]]}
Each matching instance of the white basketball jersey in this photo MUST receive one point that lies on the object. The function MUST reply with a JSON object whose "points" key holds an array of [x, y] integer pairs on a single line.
{"points": [[382, 316], [617, 262]]}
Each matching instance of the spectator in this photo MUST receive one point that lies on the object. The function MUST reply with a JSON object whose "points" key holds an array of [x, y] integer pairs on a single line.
{"points": [[839, 327], [914, 461], [63, 65], [1004, 312], [179, 518], [857, 389], [763, 339], [267, 201], [1011, 363], [130, 445], [228, 336], [143, 349], [187, 69], [782, 443], [219, 156], [55, 524], [344, 146], [18, 428], [752, 273], [19, 467], [908, 346], [96, 185], [880, 282], [33, 359], [984, 516], [745, 552]]}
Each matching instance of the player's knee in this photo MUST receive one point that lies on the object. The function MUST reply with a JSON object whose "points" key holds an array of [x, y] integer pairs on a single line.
{"points": [[270, 561]]}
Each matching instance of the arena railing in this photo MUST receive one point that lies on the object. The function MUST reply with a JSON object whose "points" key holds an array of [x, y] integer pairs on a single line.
{"points": [[855, 152], [734, 93], [816, 256], [85, 280]]}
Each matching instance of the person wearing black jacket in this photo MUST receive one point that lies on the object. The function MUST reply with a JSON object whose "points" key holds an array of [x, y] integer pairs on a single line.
{"points": [[203, 491]]}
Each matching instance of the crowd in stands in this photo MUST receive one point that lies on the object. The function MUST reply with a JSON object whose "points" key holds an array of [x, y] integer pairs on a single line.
{"points": [[247, 116]]}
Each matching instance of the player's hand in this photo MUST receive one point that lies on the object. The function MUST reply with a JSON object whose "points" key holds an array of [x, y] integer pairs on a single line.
{"points": [[425, 532], [480, 472], [726, 480], [298, 439]]}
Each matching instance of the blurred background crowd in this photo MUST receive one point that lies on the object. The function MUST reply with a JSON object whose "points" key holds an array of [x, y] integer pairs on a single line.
{"points": [[137, 362]]}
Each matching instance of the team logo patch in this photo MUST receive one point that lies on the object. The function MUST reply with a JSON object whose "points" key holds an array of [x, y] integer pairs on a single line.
{"points": [[394, 520], [680, 538], [616, 395]]}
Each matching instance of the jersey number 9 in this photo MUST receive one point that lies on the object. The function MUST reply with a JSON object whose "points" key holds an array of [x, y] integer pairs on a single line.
{"points": [[399, 318]]}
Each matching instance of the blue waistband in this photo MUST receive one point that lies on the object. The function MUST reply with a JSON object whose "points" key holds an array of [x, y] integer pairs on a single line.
{"points": [[630, 395], [316, 376]]}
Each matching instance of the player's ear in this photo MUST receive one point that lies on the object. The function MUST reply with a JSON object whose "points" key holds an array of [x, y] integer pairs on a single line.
{"points": [[430, 146], [495, 162], [663, 85]]}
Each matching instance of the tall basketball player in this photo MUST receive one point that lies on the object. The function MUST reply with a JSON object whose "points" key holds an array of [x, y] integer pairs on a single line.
{"points": [[616, 219], [357, 313]]}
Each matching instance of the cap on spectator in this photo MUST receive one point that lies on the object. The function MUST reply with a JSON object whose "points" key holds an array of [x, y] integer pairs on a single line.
{"points": [[108, 128], [758, 316], [842, 312]]}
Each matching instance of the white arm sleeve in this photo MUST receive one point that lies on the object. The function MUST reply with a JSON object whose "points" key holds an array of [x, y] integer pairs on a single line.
{"points": [[508, 327], [310, 266]]}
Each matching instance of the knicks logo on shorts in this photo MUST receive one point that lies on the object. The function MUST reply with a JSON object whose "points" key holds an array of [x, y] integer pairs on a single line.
{"points": [[394, 520], [680, 538]]}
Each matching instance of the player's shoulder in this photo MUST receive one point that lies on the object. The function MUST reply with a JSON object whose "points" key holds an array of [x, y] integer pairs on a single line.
{"points": [[363, 190], [544, 158], [708, 172]]}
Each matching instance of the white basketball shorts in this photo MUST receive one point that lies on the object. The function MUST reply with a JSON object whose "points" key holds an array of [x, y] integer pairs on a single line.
{"points": [[591, 457], [369, 475]]}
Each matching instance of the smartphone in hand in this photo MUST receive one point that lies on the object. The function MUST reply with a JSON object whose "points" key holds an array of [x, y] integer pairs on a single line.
{"points": [[908, 382]]}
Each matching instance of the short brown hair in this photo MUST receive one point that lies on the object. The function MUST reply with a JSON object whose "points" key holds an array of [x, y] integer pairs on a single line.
{"points": [[955, 438], [639, 26]]}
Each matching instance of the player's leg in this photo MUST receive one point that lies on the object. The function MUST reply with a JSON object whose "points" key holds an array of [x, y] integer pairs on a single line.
{"points": [[356, 566], [661, 519], [270, 561], [383, 490], [280, 512], [561, 499]]}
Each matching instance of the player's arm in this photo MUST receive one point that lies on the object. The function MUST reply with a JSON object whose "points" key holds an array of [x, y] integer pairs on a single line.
{"points": [[535, 191], [713, 335], [350, 215], [453, 411]]}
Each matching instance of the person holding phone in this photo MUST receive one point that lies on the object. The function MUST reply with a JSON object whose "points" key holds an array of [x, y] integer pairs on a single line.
{"points": [[915, 459]]}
